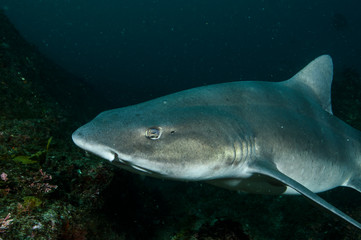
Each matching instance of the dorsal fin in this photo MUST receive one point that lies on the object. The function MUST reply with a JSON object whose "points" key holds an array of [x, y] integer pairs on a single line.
{"points": [[317, 78]]}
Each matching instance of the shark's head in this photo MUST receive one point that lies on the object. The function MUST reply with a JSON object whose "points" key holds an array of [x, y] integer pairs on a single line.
{"points": [[164, 139]]}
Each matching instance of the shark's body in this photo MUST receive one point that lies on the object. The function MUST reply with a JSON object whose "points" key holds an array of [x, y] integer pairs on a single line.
{"points": [[257, 137]]}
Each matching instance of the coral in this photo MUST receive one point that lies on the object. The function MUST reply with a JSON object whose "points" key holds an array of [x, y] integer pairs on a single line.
{"points": [[5, 223]]}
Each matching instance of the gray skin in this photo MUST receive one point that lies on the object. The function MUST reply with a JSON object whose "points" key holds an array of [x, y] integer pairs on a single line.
{"points": [[256, 137]]}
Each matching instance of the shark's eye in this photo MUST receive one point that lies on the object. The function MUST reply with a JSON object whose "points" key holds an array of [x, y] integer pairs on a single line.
{"points": [[153, 133]]}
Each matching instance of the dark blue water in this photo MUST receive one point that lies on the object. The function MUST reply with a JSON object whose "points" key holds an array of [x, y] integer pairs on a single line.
{"points": [[133, 50]]}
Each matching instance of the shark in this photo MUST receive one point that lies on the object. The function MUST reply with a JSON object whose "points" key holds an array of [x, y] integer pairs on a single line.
{"points": [[250, 136]]}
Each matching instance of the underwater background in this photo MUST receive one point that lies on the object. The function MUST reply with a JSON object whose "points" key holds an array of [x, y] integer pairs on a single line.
{"points": [[133, 50], [63, 62]]}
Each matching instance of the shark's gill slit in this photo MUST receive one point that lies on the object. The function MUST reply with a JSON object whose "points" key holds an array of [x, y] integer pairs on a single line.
{"points": [[237, 148]]}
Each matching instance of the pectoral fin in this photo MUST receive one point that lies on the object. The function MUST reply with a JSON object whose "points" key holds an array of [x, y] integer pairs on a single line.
{"points": [[269, 169]]}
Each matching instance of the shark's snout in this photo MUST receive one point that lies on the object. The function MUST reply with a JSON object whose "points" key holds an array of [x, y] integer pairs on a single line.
{"points": [[77, 137], [87, 139], [80, 139]]}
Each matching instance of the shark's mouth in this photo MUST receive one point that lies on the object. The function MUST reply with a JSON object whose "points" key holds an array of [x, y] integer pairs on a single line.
{"points": [[129, 165]]}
